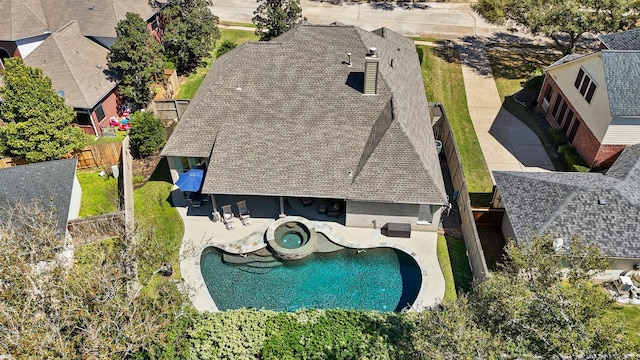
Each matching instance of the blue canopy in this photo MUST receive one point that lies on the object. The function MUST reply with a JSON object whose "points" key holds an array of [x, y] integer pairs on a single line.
{"points": [[191, 180]]}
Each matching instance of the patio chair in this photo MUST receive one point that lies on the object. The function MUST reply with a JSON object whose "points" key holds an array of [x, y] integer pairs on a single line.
{"points": [[243, 212], [227, 217]]}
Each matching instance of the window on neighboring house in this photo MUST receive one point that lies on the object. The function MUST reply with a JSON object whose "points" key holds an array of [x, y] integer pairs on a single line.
{"points": [[567, 120], [154, 23], [83, 117], [563, 110], [573, 131], [585, 85], [99, 112], [548, 93], [554, 112]]}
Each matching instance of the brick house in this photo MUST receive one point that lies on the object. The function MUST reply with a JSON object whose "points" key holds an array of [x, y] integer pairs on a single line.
{"points": [[70, 42], [595, 98]]}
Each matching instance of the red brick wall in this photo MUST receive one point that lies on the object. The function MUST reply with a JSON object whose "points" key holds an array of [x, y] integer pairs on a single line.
{"points": [[606, 155], [586, 143], [110, 107]]}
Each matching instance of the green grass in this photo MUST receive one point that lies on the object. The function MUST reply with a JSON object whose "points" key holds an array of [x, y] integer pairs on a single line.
{"points": [[99, 193], [509, 69], [120, 135], [191, 84], [155, 215], [445, 266], [462, 275], [443, 83], [629, 317], [235, 23]]}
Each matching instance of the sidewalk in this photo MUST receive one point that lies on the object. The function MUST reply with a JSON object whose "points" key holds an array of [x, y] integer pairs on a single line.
{"points": [[506, 142]]}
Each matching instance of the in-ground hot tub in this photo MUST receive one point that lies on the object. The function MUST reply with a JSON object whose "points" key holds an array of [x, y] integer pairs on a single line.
{"points": [[292, 237]]}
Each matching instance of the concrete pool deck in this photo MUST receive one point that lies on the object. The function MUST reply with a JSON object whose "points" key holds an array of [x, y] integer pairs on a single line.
{"points": [[201, 232]]}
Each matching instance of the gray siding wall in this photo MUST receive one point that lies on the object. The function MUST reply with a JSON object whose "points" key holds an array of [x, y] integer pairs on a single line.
{"points": [[362, 214]]}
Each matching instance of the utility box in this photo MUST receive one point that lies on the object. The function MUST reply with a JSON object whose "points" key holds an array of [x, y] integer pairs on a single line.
{"points": [[402, 230]]}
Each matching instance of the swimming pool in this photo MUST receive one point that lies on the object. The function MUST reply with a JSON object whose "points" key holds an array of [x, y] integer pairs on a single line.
{"points": [[376, 279]]}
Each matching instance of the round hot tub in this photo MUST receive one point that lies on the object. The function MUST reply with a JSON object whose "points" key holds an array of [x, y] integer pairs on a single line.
{"points": [[292, 238]]}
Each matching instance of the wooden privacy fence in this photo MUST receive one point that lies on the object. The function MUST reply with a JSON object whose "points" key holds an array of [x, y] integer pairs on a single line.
{"points": [[469, 230], [169, 109], [102, 156], [95, 228]]}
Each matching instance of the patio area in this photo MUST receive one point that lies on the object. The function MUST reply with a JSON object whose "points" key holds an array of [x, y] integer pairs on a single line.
{"points": [[202, 232]]}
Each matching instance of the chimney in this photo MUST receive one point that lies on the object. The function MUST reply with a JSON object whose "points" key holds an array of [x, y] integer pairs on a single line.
{"points": [[371, 63]]}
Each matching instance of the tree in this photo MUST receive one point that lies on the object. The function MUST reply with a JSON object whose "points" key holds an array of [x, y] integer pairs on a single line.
{"points": [[275, 17], [147, 133], [37, 119], [543, 302], [564, 21], [190, 31], [137, 58], [54, 307]]}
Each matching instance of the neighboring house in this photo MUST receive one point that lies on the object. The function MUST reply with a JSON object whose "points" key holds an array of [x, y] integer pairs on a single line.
{"points": [[595, 98], [50, 184], [78, 68], [603, 208], [329, 112], [68, 40]]}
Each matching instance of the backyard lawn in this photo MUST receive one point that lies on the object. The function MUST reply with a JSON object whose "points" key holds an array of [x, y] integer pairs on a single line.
{"points": [[510, 68], [159, 221], [191, 84], [443, 83], [100, 194], [629, 318], [454, 264]]}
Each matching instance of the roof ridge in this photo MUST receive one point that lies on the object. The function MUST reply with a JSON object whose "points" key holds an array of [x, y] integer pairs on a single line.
{"points": [[64, 58], [558, 210], [44, 21]]}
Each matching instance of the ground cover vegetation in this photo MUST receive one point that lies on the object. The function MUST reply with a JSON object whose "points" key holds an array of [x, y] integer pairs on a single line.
{"points": [[273, 18], [443, 82], [564, 21], [36, 118]]}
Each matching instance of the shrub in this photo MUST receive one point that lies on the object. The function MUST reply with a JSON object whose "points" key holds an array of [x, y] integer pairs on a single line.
{"points": [[534, 81], [572, 158], [557, 137], [225, 47], [147, 134]]}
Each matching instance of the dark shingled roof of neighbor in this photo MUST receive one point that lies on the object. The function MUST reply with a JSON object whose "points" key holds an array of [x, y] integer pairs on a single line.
{"points": [[603, 208], [288, 117], [48, 184]]}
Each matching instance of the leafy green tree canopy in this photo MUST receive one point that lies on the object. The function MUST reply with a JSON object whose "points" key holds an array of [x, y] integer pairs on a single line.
{"points": [[147, 133], [275, 17], [37, 118], [564, 21], [190, 31], [137, 57], [225, 47]]}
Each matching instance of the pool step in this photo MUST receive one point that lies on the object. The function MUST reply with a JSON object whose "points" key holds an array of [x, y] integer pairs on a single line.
{"points": [[237, 259], [264, 265]]}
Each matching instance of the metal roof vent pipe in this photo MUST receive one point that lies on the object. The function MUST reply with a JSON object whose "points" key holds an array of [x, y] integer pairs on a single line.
{"points": [[371, 64], [349, 59]]}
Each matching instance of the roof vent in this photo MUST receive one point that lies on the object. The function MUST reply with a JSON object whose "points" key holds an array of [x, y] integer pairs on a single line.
{"points": [[349, 59], [393, 62], [558, 243], [373, 52], [60, 93], [602, 200]]}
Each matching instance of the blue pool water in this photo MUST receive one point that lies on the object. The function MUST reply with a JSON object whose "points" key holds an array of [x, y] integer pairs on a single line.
{"points": [[378, 279]]}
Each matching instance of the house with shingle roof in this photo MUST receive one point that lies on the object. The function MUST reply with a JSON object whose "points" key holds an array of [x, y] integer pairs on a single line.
{"points": [[69, 41], [602, 208], [595, 98], [321, 112], [51, 185], [78, 70]]}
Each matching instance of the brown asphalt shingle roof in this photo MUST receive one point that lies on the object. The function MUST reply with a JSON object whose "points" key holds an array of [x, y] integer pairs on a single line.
{"points": [[26, 18], [76, 65], [288, 117]]}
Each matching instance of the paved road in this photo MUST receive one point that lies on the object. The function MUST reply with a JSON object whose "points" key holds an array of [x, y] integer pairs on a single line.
{"points": [[444, 20]]}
